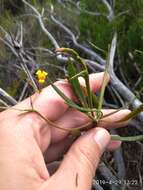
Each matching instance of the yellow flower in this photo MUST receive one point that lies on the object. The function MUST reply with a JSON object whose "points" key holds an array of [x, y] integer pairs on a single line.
{"points": [[41, 75]]}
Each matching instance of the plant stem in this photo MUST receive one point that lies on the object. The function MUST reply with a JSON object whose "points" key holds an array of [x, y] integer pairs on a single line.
{"points": [[130, 138], [79, 129]]}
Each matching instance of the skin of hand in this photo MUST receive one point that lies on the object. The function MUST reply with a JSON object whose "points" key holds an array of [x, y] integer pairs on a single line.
{"points": [[25, 138]]}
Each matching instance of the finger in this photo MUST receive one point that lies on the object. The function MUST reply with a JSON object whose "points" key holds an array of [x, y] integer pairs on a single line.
{"points": [[96, 81], [57, 150], [52, 106], [112, 120], [49, 102], [73, 118], [113, 145], [81, 161]]}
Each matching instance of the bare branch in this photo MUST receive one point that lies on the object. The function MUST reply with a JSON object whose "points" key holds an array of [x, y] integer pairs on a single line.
{"points": [[2, 102], [19, 53], [112, 53], [40, 19], [79, 10], [110, 10], [7, 97], [79, 46]]}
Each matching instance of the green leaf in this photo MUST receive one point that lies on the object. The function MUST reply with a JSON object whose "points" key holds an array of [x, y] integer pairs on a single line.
{"points": [[73, 80], [69, 101], [132, 115], [104, 84], [98, 48], [109, 65], [95, 100]]}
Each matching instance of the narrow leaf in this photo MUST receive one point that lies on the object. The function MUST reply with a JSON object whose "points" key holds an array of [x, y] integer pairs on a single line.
{"points": [[69, 101], [72, 72], [97, 48], [109, 65], [104, 84], [95, 100], [132, 115]]}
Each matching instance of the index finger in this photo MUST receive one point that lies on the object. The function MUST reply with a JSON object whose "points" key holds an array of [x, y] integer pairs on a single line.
{"points": [[50, 104]]}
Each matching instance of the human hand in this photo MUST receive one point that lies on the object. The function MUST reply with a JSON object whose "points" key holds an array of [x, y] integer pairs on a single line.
{"points": [[24, 139]]}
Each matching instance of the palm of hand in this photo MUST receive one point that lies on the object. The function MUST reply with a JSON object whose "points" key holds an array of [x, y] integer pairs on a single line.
{"points": [[25, 138]]}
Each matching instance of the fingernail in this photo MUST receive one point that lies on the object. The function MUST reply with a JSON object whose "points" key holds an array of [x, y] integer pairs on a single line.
{"points": [[102, 138]]}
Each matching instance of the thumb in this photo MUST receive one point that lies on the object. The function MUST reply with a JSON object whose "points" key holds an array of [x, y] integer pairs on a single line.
{"points": [[80, 163]]}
